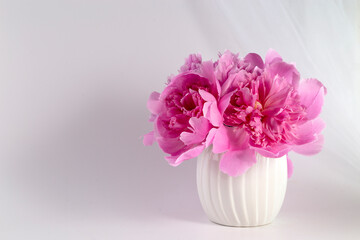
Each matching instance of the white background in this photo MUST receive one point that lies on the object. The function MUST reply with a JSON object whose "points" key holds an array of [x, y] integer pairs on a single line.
{"points": [[74, 80]]}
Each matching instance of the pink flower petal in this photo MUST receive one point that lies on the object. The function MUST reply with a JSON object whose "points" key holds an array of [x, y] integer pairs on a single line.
{"points": [[207, 71], [210, 137], [310, 148], [207, 96], [289, 166], [200, 128], [171, 160], [189, 154], [224, 101], [149, 139], [221, 140], [307, 132], [274, 151], [318, 125], [212, 113], [312, 93], [287, 71], [227, 64], [192, 63], [238, 162], [153, 104], [152, 117], [228, 84], [254, 60], [170, 145], [238, 138], [272, 56], [276, 96], [210, 108]]}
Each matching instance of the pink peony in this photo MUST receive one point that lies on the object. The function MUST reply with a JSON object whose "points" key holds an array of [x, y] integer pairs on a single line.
{"points": [[185, 111], [269, 113], [239, 106]]}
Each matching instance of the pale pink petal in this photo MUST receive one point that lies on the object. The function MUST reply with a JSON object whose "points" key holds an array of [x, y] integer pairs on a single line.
{"points": [[210, 108], [273, 152], [272, 56], [189, 154], [192, 63], [287, 71], [315, 108], [207, 71], [152, 117], [312, 93], [149, 139], [189, 138], [238, 162], [200, 128], [318, 125], [221, 140], [210, 137], [211, 112], [254, 60], [153, 104], [224, 101], [171, 160], [215, 115], [307, 132], [310, 148], [277, 96], [227, 64], [207, 96], [228, 84], [289, 166]]}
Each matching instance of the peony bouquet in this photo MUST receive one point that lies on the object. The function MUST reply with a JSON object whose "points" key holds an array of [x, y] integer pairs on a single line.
{"points": [[238, 107]]}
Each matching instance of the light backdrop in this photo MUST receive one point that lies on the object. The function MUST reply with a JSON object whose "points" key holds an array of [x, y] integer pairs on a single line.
{"points": [[74, 80]]}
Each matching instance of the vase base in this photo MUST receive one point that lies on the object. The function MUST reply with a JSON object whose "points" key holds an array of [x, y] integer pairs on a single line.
{"points": [[240, 225]]}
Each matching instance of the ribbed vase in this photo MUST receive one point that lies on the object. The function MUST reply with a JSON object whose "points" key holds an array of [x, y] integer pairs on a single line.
{"points": [[251, 199]]}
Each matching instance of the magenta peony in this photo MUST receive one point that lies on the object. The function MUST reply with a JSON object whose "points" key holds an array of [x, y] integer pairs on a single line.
{"points": [[239, 106], [185, 112]]}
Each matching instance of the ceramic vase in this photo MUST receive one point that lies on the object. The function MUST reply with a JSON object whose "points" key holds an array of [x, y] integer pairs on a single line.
{"points": [[251, 199]]}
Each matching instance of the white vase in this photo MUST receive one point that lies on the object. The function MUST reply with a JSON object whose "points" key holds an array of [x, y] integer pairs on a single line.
{"points": [[251, 199]]}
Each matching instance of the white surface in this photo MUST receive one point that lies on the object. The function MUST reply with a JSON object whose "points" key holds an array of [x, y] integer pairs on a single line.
{"points": [[74, 80], [251, 199]]}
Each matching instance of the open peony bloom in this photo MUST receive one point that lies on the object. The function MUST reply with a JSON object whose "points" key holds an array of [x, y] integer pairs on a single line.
{"points": [[241, 107], [185, 111]]}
